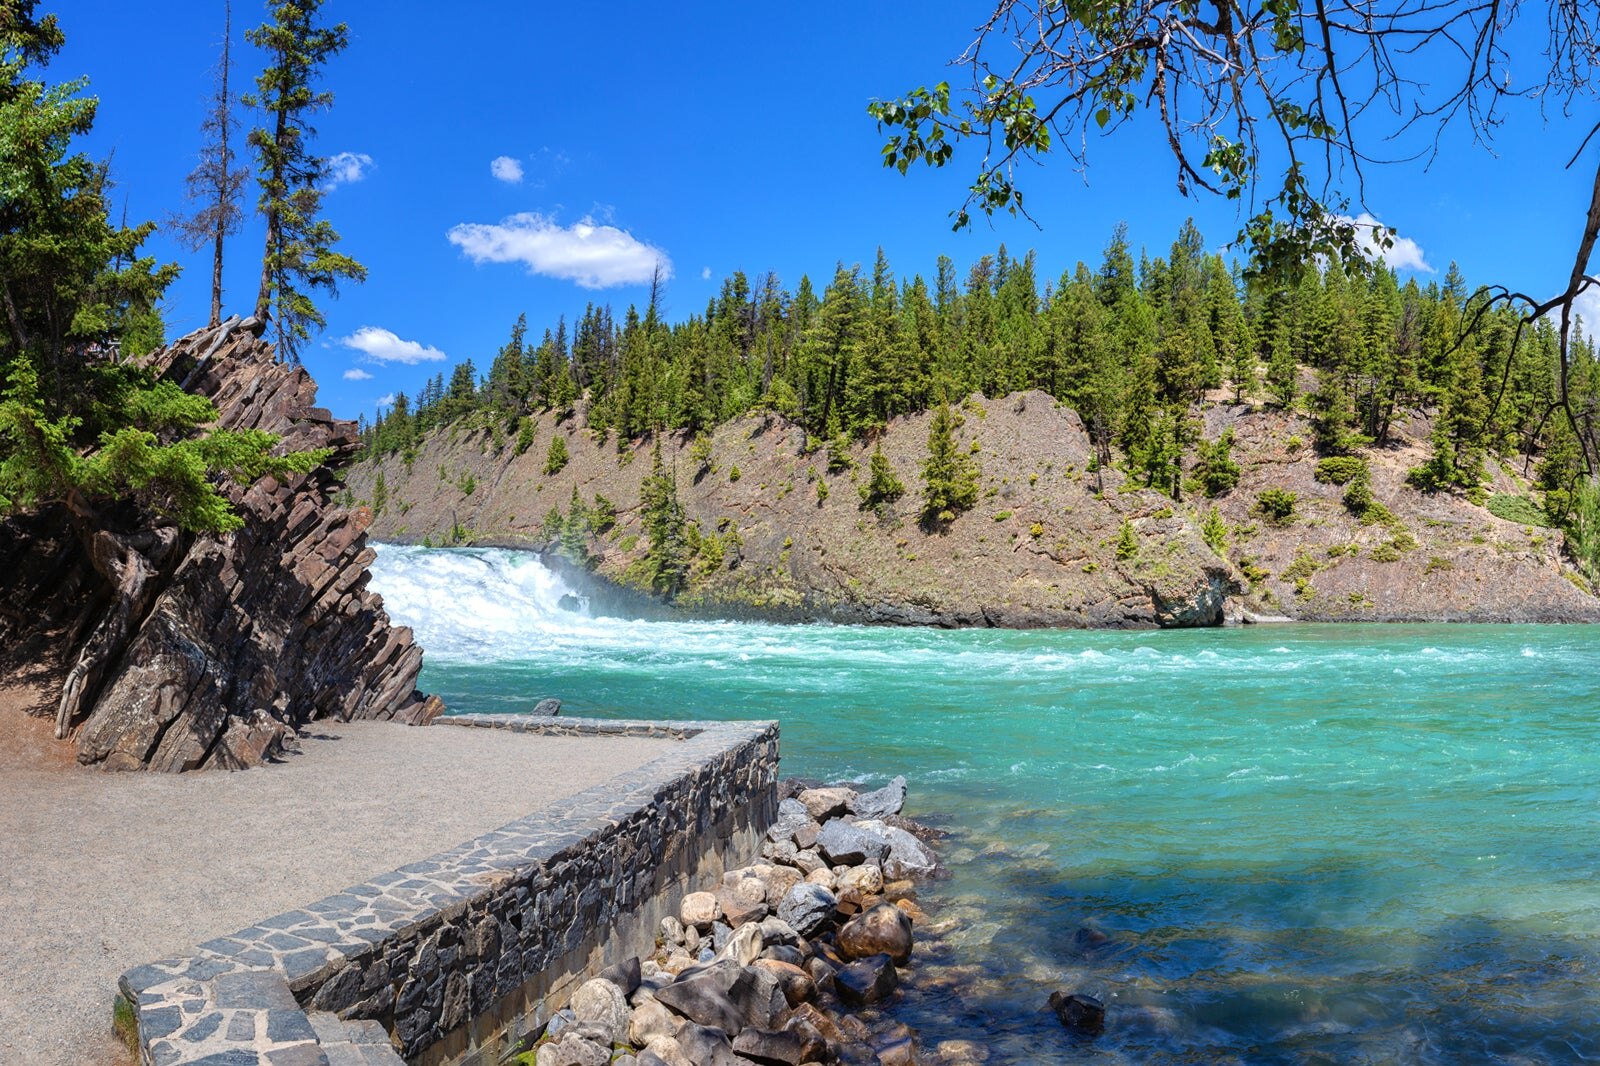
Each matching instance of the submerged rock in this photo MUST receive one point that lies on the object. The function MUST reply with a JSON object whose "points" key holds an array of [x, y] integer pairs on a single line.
{"points": [[1079, 1012], [866, 981]]}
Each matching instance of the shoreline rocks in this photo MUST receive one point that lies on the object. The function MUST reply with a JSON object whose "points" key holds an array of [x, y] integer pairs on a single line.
{"points": [[783, 962]]}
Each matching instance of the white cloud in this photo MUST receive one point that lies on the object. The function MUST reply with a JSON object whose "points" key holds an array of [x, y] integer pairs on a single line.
{"points": [[1588, 305], [592, 255], [1403, 254], [705, 273], [382, 346], [386, 400], [506, 169], [355, 373], [346, 167]]}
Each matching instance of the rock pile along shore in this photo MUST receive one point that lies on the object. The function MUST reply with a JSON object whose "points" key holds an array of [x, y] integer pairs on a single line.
{"points": [[782, 963]]}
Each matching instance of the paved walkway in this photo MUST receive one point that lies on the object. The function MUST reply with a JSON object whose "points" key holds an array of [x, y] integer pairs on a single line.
{"points": [[101, 872]]}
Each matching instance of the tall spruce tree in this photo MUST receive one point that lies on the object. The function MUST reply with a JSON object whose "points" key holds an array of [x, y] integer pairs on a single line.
{"points": [[300, 255]]}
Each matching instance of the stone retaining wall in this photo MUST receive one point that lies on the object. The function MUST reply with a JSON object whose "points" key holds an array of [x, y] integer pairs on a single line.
{"points": [[462, 956]]}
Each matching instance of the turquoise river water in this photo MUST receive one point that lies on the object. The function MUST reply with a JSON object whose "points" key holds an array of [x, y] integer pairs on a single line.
{"points": [[1295, 844]]}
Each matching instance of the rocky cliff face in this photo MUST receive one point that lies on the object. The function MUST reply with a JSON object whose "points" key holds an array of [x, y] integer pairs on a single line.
{"points": [[247, 636], [1040, 549]]}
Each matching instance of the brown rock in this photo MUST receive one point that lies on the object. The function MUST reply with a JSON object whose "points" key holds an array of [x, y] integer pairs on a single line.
{"points": [[825, 803], [866, 981], [797, 985], [885, 929]]}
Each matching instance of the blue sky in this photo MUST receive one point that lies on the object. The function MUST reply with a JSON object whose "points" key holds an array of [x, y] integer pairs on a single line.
{"points": [[718, 136]]}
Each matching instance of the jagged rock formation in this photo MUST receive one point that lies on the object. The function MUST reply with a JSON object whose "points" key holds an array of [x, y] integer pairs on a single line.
{"points": [[233, 641], [783, 537]]}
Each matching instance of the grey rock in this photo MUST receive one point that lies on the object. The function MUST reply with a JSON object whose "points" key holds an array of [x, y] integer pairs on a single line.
{"points": [[890, 799], [572, 1050], [704, 1000], [792, 815], [708, 1046], [784, 1047], [604, 1005], [625, 975], [547, 707], [908, 858], [844, 844], [651, 1019], [807, 908], [759, 996]]}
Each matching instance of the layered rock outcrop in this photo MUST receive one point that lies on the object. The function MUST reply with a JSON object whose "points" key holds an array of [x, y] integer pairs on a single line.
{"points": [[246, 636]]}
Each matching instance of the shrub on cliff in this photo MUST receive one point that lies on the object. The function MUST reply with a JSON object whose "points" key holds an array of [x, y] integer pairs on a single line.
{"points": [[882, 485], [1277, 505], [950, 476], [1215, 472], [556, 458]]}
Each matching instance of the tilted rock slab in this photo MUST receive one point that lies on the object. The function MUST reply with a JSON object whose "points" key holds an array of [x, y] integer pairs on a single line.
{"points": [[256, 632]]}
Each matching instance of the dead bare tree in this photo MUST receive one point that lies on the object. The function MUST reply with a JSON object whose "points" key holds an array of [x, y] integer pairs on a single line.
{"points": [[1270, 103], [216, 185]]}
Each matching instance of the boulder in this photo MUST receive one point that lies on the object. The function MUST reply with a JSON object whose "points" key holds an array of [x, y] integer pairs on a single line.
{"points": [[708, 1046], [779, 851], [702, 996], [882, 930], [744, 901], [822, 973], [777, 931], [824, 803], [797, 985], [807, 861], [665, 1050], [792, 815], [602, 1004], [625, 975], [805, 838], [744, 947], [908, 858], [900, 1051], [866, 981], [699, 909], [759, 996], [817, 1020], [651, 1019], [863, 880], [844, 844], [782, 1047], [784, 953], [1084, 1014], [807, 908], [822, 875], [572, 1050], [548, 707], [671, 931], [889, 799]]}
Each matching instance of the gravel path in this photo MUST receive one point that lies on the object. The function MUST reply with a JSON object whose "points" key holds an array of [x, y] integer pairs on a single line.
{"points": [[101, 872]]}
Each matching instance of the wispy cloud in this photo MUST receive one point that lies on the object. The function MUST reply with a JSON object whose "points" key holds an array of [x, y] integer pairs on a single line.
{"points": [[355, 373], [594, 256], [705, 273], [1403, 254], [386, 400], [383, 346], [346, 167], [506, 169]]}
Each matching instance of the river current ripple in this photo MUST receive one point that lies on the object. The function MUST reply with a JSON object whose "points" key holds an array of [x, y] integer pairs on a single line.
{"points": [[1299, 844]]}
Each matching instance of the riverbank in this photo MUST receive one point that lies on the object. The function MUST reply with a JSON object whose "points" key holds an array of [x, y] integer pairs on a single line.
{"points": [[100, 872], [779, 530]]}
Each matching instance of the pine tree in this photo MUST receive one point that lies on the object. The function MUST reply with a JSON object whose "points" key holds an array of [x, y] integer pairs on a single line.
{"points": [[300, 256], [882, 485], [668, 553], [950, 476]]}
